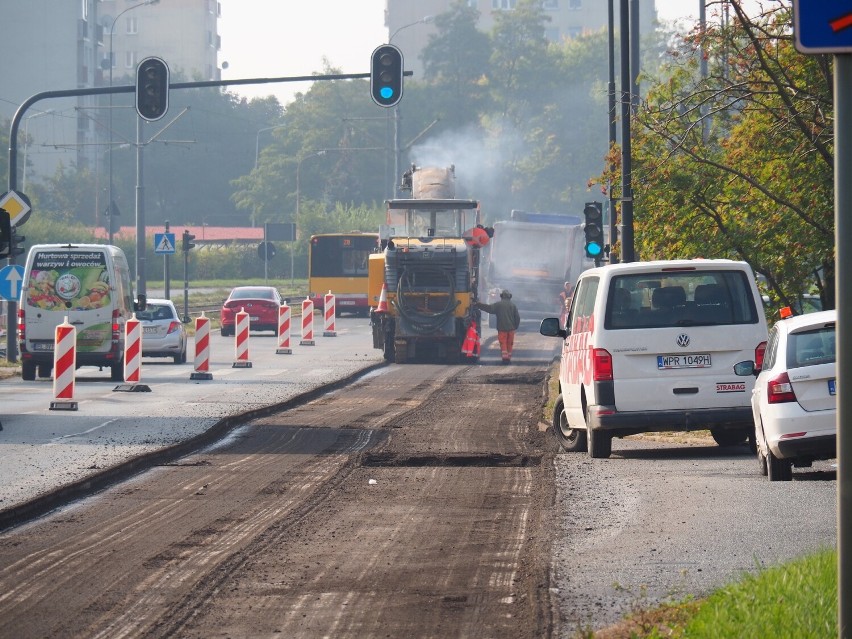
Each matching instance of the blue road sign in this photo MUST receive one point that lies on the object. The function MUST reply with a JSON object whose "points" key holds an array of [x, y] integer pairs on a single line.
{"points": [[823, 27], [164, 243], [10, 282]]}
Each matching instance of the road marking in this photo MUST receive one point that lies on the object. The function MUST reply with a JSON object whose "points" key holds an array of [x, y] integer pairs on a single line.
{"points": [[57, 440]]}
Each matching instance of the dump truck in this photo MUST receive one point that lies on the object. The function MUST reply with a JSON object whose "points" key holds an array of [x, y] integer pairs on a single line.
{"points": [[533, 255], [423, 283]]}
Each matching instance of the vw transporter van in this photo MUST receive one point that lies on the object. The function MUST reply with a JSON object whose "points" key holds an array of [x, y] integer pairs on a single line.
{"points": [[651, 346]]}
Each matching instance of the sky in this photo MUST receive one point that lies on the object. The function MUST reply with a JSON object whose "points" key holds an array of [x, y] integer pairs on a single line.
{"points": [[286, 38]]}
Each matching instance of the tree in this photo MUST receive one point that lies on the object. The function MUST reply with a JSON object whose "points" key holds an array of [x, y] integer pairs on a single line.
{"points": [[456, 61], [739, 164], [334, 146]]}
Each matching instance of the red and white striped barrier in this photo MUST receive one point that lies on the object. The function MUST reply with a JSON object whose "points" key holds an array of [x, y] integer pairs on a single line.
{"points": [[241, 340], [328, 306], [307, 323], [64, 366], [133, 350], [283, 330], [202, 348]]}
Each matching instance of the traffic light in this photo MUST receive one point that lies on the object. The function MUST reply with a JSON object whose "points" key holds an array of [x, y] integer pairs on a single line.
{"points": [[5, 233], [386, 75], [593, 229], [152, 89], [186, 242], [17, 240]]}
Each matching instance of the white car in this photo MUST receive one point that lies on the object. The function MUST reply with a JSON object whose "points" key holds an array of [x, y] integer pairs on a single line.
{"points": [[163, 334], [794, 399]]}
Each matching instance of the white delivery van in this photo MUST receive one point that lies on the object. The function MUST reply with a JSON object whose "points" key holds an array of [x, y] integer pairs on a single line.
{"points": [[90, 285], [651, 346]]}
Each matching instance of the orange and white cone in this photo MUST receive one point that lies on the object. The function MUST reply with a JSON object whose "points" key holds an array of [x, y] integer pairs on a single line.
{"points": [[470, 345], [383, 300]]}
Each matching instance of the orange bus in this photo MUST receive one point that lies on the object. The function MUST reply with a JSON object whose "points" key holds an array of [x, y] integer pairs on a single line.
{"points": [[337, 262]]}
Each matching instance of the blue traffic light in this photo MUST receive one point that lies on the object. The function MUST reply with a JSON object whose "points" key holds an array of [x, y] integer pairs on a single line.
{"points": [[593, 229], [386, 69]]}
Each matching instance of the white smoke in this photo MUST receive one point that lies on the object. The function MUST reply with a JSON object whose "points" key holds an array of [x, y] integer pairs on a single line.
{"points": [[483, 161]]}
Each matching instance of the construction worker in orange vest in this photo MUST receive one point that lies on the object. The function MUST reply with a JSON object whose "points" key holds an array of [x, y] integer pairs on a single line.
{"points": [[508, 321]]}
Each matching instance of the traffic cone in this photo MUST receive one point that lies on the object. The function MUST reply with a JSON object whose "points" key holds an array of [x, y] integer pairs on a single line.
{"points": [[470, 345], [383, 300]]}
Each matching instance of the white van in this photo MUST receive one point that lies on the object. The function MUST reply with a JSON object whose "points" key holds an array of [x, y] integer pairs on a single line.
{"points": [[90, 285], [651, 346]]}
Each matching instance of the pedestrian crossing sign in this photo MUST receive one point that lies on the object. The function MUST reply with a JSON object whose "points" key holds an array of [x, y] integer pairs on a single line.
{"points": [[164, 243]]}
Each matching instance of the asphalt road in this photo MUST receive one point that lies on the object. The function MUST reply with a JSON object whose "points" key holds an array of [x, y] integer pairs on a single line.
{"points": [[660, 520], [43, 450]]}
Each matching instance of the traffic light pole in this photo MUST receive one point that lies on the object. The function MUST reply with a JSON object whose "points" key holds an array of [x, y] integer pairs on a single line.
{"points": [[141, 279], [11, 324]]}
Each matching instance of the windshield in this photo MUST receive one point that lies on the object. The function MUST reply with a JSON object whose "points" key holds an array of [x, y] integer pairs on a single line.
{"points": [[432, 222]]}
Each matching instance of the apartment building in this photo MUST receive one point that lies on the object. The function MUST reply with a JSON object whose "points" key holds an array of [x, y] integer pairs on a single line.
{"points": [[51, 45], [410, 24]]}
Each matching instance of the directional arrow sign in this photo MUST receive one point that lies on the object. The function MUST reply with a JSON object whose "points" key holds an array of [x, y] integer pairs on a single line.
{"points": [[10, 282]]}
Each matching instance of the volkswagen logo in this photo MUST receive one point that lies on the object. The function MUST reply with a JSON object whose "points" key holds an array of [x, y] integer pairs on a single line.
{"points": [[683, 340]]}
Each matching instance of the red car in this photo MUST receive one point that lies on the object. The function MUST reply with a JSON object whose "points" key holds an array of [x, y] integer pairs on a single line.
{"points": [[260, 302]]}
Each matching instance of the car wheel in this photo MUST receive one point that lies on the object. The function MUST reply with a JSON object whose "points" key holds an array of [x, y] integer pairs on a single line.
{"points": [[778, 469], [729, 437], [571, 440], [44, 370], [28, 371], [116, 372]]}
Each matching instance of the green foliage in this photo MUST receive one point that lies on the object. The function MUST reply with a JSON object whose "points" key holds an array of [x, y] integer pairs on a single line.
{"points": [[739, 164], [334, 149], [457, 61]]}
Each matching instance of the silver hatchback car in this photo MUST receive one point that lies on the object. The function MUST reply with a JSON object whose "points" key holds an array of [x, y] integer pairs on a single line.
{"points": [[163, 334]]}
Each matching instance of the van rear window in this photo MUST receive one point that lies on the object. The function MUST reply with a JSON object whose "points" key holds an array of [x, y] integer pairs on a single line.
{"points": [[685, 298], [68, 280]]}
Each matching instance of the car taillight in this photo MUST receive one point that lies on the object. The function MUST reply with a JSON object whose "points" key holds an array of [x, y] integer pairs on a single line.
{"points": [[759, 352], [601, 365], [779, 390], [173, 327], [22, 334], [116, 327]]}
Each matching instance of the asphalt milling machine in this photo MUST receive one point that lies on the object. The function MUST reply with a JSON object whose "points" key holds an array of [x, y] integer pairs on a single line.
{"points": [[425, 278]]}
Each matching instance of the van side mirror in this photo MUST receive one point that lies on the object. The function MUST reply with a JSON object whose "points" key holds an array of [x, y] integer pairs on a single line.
{"points": [[141, 303], [744, 369], [550, 328]]}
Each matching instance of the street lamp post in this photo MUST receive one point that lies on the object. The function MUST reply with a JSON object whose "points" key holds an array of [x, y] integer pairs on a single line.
{"points": [[396, 112], [27, 144], [111, 206], [257, 142], [317, 153]]}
